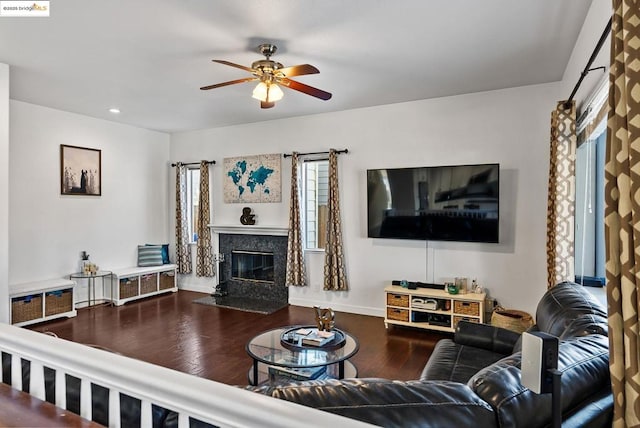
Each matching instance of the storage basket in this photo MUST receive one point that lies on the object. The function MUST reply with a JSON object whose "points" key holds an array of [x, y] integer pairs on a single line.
{"points": [[128, 287], [511, 319], [398, 314], [26, 308], [149, 283], [401, 300], [457, 319], [58, 301], [167, 280], [466, 308]]}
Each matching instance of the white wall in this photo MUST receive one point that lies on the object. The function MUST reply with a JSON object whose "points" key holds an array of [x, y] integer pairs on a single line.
{"points": [[4, 193], [48, 230], [510, 127], [594, 24]]}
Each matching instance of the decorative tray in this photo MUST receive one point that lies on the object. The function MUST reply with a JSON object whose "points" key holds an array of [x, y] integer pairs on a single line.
{"points": [[291, 340]]}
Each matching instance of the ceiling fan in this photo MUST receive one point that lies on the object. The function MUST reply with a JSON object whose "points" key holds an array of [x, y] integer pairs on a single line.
{"points": [[270, 74]]}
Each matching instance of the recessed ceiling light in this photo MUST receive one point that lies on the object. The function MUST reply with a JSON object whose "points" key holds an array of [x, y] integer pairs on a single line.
{"points": [[114, 110]]}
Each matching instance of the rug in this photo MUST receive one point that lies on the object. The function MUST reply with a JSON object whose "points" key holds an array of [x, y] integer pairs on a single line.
{"points": [[264, 307]]}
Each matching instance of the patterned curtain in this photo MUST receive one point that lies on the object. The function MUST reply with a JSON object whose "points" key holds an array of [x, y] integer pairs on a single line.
{"points": [[204, 253], [335, 278], [561, 195], [183, 253], [295, 256], [622, 212]]}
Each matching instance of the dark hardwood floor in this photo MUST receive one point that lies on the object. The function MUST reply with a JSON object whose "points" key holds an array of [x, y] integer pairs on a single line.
{"points": [[209, 342]]}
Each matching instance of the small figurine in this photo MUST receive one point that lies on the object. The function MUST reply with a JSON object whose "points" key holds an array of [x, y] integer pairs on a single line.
{"points": [[325, 318], [247, 218]]}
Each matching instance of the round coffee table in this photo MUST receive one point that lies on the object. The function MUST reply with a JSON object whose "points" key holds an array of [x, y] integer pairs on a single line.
{"points": [[274, 360]]}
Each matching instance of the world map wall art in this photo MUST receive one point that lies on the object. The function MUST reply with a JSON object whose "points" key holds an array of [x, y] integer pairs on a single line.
{"points": [[252, 179]]}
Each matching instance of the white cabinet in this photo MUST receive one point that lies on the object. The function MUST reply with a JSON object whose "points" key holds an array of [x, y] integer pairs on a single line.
{"points": [[41, 301], [140, 282], [431, 308]]}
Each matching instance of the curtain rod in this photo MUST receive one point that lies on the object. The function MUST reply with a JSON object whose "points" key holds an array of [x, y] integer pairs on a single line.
{"points": [[587, 69], [194, 163], [288, 155]]}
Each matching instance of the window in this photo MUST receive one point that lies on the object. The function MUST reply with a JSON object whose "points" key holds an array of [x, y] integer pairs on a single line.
{"points": [[591, 128], [589, 221], [193, 197], [314, 204]]}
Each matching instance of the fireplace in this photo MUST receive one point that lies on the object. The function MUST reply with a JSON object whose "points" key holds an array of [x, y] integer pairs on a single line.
{"points": [[252, 266]]}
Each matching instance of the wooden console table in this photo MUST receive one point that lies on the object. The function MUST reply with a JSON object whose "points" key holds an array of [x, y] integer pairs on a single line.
{"points": [[432, 308]]}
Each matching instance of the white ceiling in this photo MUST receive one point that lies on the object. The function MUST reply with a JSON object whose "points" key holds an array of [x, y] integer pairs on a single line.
{"points": [[150, 57]]}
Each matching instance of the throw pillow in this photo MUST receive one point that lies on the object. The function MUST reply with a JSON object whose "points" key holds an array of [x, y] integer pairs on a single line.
{"points": [[165, 252], [149, 255]]}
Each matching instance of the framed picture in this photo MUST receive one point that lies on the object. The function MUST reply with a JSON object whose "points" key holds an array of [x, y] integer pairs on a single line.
{"points": [[80, 171], [252, 179]]}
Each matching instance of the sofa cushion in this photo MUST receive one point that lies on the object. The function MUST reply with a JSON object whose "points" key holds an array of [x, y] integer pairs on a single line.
{"points": [[584, 364], [390, 403], [455, 362], [563, 304]]}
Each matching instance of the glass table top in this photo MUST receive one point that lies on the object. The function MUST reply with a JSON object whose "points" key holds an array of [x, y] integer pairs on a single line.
{"points": [[268, 348], [98, 274]]}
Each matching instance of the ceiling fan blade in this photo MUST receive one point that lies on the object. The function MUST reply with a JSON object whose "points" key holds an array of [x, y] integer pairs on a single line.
{"points": [[231, 82], [298, 70], [264, 104], [309, 90], [233, 64]]}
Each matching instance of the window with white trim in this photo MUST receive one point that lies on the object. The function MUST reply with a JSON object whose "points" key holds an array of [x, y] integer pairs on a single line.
{"points": [[589, 206], [193, 198], [314, 204]]}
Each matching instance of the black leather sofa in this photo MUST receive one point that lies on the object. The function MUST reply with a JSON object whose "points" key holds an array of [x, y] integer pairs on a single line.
{"points": [[474, 378]]}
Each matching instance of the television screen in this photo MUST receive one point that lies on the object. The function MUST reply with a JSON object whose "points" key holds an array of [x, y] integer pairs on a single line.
{"points": [[443, 203]]}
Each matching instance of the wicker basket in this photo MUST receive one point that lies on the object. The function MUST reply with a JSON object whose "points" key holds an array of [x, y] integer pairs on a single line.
{"points": [[398, 314], [149, 283], [26, 308], [167, 280], [401, 300], [511, 319], [58, 302], [466, 308], [457, 319], [128, 287]]}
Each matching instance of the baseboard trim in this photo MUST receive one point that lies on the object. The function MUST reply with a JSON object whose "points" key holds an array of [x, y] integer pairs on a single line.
{"points": [[360, 310], [198, 288]]}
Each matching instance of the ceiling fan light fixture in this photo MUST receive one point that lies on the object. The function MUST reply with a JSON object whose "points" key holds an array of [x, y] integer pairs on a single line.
{"points": [[267, 92]]}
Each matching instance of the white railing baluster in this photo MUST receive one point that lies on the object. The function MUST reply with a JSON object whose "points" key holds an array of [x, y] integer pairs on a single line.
{"points": [[16, 371], [189, 396], [146, 415], [183, 420], [85, 398], [36, 380], [114, 408], [61, 389]]}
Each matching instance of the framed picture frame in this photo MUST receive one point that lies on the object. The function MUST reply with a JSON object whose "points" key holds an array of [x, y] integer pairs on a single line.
{"points": [[80, 171]]}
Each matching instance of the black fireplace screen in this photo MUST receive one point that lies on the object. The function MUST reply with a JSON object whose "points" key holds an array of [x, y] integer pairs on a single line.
{"points": [[252, 266]]}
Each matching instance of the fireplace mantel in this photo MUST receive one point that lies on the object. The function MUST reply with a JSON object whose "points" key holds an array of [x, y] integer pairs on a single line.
{"points": [[250, 230]]}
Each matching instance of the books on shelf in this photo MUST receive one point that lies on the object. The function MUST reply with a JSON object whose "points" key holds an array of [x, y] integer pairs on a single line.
{"points": [[296, 373], [318, 338]]}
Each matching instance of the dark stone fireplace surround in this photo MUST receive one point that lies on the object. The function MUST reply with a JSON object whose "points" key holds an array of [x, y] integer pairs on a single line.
{"points": [[276, 292]]}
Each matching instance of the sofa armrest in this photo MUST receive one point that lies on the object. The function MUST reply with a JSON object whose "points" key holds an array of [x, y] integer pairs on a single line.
{"points": [[385, 402], [491, 338]]}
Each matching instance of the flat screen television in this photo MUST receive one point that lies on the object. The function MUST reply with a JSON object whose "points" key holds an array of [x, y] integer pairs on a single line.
{"points": [[440, 203]]}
